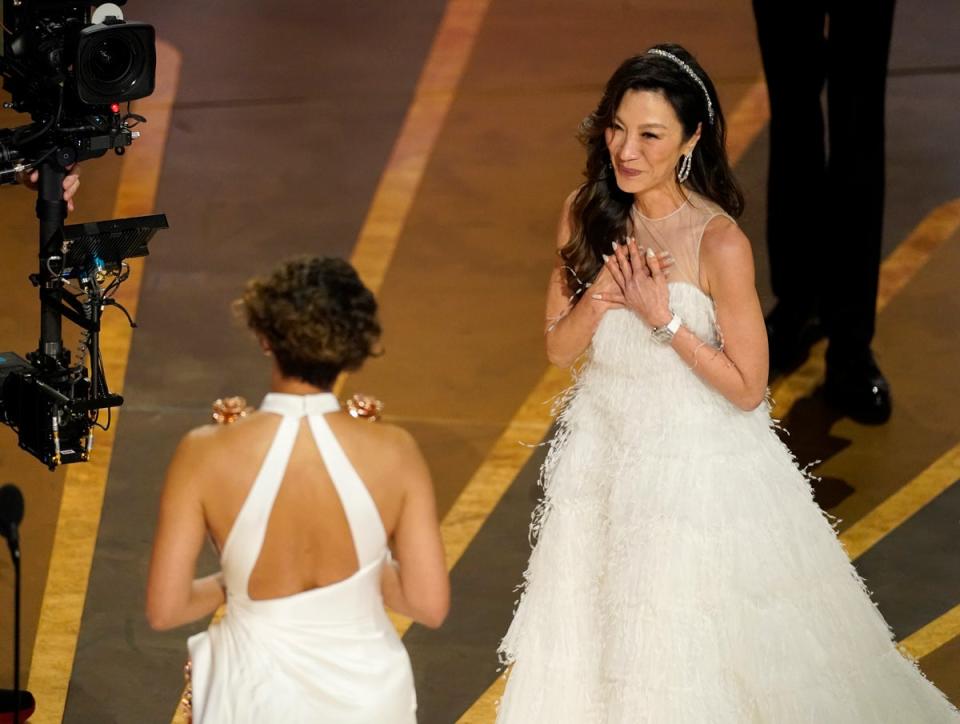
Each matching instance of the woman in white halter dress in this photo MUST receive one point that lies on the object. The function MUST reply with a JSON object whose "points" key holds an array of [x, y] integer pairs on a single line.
{"points": [[313, 643], [682, 572], [330, 652]]}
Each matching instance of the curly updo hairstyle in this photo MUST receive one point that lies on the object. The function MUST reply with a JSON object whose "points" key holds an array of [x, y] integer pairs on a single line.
{"points": [[315, 315]]}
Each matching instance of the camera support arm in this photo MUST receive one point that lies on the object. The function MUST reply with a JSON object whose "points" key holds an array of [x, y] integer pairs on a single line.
{"points": [[51, 211]]}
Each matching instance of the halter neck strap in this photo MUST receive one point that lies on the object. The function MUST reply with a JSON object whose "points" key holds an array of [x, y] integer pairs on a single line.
{"points": [[300, 405]]}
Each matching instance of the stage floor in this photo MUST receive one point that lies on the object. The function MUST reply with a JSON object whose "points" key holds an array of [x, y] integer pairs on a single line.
{"points": [[433, 143]]}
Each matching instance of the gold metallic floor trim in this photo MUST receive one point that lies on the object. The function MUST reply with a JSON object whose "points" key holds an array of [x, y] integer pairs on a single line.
{"points": [[432, 98], [895, 273], [500, 467], [491, 480], [891, 513], [484, 710], [84, 485], [932, 636], [426, 115], [393, 199]]}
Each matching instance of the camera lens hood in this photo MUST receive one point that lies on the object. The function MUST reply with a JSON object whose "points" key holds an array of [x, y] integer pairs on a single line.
{"points": [[116, 62]]}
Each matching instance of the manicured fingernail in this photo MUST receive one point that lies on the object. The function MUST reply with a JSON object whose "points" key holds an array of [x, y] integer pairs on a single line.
{"points": [[597, 296], [650, 252], [613, 244], [605, 257]]}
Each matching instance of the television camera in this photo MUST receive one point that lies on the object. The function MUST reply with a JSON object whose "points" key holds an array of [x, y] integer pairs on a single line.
{"points": [[72, 67]]}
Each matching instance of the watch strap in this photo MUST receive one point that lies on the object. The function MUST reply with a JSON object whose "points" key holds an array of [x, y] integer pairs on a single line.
{"points": [[665, 333]]}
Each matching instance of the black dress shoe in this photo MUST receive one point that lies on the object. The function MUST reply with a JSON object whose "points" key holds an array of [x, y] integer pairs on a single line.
{"points": [[790, 334], [856, 387]]}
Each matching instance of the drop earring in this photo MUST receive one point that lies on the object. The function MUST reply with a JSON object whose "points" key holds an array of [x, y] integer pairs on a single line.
{"points": [[686, 161]]}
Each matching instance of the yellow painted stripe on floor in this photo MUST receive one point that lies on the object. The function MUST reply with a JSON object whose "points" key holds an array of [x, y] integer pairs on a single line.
{"points": [[434, 94], [934, 635], [432, 98], [500, 467], [491, 480], [895, 273], [484, 710], [891, 513], [401, 178], [84, 484]]}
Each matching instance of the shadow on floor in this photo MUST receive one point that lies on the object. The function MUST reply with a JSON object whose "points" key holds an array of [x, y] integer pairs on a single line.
{"points": [[806, 431]]}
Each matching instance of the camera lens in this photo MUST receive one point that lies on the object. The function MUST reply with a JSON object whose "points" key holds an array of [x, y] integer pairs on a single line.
{"points": [[110, 59], [115, 62]]}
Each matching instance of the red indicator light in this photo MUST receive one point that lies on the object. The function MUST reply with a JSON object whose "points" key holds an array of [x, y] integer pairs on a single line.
{"points": [[115, 107]]}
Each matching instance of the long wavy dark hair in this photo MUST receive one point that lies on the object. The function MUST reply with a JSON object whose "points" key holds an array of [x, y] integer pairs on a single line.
{"points": [[600, 211]]}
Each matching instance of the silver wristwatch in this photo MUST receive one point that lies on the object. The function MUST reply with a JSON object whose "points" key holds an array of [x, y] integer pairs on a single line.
{"points": [[665, 333]]}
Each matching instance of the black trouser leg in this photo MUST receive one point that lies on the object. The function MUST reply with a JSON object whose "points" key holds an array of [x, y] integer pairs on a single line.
{"points": [[858, 51], [793, 47]]}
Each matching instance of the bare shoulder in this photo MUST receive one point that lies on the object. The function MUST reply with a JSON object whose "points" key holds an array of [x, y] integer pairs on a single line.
{"points": [[198, 442], [726, 257], [190, 461], [722, 234], [214, 435], [383, 454], [725, 243], [209, 446], [392, 442]]}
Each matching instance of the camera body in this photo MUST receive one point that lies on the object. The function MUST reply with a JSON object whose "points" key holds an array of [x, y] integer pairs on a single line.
{"points": [[31, 400], [71, 74]]}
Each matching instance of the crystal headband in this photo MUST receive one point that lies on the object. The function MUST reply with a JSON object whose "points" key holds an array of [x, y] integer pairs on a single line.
{"points": [[689, 71]]}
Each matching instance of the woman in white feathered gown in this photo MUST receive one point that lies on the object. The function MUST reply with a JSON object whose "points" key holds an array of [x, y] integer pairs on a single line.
{"points": [[682, 572]]}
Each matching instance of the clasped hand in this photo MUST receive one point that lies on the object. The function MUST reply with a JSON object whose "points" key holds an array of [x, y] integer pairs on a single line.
{"points": [[640, 284]]}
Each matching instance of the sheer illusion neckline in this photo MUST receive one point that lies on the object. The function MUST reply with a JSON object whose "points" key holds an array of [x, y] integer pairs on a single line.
{"points": [[661, 218]]}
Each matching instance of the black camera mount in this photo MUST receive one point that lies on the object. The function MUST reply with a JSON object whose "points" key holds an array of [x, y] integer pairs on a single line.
{"points": [[70, 68]]}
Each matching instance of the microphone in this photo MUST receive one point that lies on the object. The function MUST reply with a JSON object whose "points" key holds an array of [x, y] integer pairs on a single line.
{"points": [[11, 514]]}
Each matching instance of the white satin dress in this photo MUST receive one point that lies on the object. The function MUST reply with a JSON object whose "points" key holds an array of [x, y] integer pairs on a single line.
{"points": [[328, 654]]}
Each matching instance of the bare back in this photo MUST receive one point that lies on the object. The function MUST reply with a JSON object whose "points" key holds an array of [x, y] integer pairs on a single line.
{"points": [[308, 542]]}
